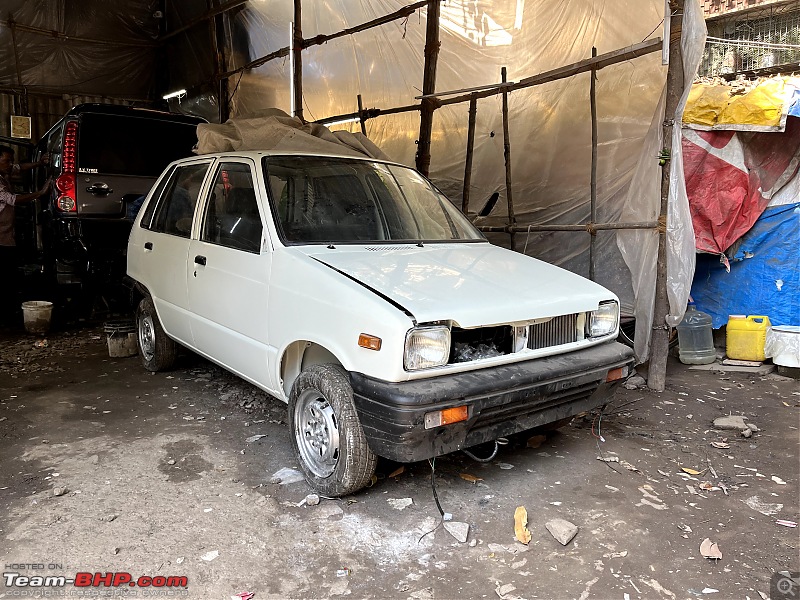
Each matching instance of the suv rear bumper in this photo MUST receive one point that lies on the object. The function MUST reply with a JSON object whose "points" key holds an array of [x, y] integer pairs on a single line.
{"points": [[502, 400]]}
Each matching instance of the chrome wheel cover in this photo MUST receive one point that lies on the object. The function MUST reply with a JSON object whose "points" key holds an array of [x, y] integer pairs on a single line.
{"points": [[317, 433], [147, 337]]}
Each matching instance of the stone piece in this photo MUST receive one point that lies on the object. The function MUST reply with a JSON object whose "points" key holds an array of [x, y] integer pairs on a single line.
{"points": [[562, 530]]}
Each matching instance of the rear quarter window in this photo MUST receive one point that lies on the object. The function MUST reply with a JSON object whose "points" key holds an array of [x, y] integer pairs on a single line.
{"points": [[122, 145]]}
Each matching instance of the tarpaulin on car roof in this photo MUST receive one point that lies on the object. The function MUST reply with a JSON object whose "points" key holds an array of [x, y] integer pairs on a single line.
{"points": [[273, 129]]}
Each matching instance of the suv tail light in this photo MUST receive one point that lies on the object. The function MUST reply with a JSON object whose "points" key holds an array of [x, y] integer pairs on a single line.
{"points": [[67, 182]]}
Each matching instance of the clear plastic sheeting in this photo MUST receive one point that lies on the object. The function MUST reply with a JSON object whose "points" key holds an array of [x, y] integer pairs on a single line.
{"points": [[550, 127], [85, 47], [273, 129], [640, 248]]}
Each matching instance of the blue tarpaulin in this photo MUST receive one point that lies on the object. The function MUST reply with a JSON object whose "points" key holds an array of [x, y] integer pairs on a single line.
{"points": [[794, 108], [765, 272]]}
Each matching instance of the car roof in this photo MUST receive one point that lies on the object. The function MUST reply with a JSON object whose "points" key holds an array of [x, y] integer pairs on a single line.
{"points": [[132, 111], [258, 154]]}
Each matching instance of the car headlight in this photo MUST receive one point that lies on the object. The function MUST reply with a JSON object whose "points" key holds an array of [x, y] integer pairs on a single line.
{"points": [[426, 347], [604, 320]]}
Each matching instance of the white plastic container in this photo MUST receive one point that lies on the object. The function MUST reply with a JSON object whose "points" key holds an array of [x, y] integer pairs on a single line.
{"points": [[783, 345], [36, 315]]}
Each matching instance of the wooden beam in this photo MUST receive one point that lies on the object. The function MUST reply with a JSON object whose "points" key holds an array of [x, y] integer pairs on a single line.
{"points": [[297, 52], [398, 14], [429, 105], [507, 159], [596, 63], [52, 33], [321, 39], [593, 181], [659, 343], [209, 14], [473, 113], [361, 119]]}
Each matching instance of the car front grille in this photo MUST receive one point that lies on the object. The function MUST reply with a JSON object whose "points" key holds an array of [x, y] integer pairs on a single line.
{"points": [[555, 332]]}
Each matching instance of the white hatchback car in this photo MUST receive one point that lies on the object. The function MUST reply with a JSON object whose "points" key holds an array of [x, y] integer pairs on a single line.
{"points": [[353, 290]]}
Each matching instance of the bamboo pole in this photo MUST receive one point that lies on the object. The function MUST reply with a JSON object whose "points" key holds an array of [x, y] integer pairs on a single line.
{"points": [[217, 11], [473, 112], [297, 50], [361, 118], [217, 31], [593, 184], [659, 345], [507, 158], [428, 105]]}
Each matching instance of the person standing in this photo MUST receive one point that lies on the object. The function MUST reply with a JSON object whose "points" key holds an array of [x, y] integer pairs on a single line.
{"points": [[9, 260]]}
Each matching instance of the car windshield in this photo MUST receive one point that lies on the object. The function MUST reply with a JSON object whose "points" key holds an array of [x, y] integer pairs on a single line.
{"points": [[340, 200]]}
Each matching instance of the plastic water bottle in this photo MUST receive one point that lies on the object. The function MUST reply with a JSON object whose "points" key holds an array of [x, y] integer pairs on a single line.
{"points": [[696, 338]]}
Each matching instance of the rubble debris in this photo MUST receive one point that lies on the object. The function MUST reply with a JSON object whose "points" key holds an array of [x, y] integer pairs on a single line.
{"points": [[209, 556], [562, 530], [731, 422], [747, 433], [458, 530], [470, 478], [710, 549], [536, 441], [343, 572], [286, 476], [786, 523], [397, 472], [608, 459], [59, 491], [399, 503], [721, 445], [255, 438], [634, 382], [752, 427], [764, 508], [310, 500], [778, 480], [243, 596], [503, 590], [520, 525]]}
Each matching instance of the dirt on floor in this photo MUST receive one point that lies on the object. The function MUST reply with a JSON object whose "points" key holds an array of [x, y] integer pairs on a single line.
{"points": [[107, 468]]}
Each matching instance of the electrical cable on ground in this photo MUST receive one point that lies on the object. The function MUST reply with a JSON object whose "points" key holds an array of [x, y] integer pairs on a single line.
{"points": [[432, 463]]}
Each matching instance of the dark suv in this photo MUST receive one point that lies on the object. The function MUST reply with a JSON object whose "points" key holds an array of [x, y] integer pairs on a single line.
{"points": [[103, 160]]}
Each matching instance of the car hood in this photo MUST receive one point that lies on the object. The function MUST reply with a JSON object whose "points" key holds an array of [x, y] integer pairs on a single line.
{"points": [[472, 284]]}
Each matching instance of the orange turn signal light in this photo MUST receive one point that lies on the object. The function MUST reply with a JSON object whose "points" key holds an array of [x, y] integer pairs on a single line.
{"points": [[446, 416], [370, 342], [615, 374]]}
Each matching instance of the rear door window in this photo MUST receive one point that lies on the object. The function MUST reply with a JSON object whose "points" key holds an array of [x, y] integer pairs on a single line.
{"points": [[123, 145], [175, 209]]}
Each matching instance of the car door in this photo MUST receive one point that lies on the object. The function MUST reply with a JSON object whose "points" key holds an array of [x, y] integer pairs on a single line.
{"points": [[164, 252], [229, 283]]}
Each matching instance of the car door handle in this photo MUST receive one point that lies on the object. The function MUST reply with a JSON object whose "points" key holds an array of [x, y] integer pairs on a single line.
{"points": [[148, 245], [200, 260], [99, 188]]}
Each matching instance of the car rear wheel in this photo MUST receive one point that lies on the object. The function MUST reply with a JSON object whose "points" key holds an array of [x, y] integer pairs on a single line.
{"points": [[327, 434], [156, 350]]}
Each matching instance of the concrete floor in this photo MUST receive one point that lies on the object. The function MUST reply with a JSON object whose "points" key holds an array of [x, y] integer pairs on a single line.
{"points": [[159, 477]]}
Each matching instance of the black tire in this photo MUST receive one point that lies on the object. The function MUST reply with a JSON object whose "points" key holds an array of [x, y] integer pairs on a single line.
{"points": [[326, 432], [156, 350]]}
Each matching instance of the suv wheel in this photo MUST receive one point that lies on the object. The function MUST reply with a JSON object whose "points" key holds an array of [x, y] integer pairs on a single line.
{"points": [[326, 433], [156, 349]]}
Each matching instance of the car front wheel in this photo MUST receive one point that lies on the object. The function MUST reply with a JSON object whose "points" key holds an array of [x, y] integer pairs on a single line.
{"points": [[157, 351], [327, 434]]}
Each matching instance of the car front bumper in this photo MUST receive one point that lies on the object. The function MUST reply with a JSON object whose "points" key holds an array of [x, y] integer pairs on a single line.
{"points": [[502, 400]]}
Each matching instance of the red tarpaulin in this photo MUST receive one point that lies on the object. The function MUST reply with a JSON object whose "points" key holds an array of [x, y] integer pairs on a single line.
{"points": [[731, 177]]}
